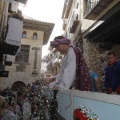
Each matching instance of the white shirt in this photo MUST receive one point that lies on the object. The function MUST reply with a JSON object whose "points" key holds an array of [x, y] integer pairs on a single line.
{"points": [[67, 74]]}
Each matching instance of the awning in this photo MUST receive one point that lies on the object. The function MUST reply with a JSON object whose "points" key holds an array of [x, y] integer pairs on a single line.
{"points": [[12, 1]]}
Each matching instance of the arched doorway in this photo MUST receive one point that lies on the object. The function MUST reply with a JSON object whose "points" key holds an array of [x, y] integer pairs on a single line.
{"points": [[18, 85]]}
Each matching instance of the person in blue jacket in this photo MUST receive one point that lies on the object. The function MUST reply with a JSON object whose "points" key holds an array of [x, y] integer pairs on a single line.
{"points": [[95, 81], [112, 74]]}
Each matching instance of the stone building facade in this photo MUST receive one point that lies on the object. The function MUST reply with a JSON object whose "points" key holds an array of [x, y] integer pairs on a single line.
{"points": [[26, 65]]}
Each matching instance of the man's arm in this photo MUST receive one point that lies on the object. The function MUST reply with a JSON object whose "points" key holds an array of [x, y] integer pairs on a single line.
{"points": [[107, 81], [97, 82], [118, 88], [52, 80], [47, 81], [57, 79], [69, 73]]}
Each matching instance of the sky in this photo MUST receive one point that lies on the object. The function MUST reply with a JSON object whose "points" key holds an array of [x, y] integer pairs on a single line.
{"points": [[47, 11]]}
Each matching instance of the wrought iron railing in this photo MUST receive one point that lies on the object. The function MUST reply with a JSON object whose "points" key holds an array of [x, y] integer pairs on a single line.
{"points": [[90, 6]]}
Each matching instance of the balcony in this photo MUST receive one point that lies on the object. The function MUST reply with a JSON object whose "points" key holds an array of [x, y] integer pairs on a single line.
{"points": [[74, 23], [95, 7]]}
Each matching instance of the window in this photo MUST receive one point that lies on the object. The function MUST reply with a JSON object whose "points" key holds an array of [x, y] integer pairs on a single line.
{"points": [[24, 34], [34, 36], [23, 55]]}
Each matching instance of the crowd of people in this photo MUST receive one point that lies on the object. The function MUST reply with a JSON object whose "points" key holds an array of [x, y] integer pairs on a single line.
{"points": [[26, 103]]}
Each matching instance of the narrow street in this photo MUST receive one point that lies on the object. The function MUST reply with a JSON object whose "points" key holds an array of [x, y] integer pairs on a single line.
{"points": [[59, 59]]}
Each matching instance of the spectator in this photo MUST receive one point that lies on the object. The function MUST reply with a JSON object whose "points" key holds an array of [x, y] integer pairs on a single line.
{"points": [[95, 81], [112, 74]]}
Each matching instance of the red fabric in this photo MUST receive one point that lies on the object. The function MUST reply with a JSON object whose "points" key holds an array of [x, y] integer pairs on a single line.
{"points": [[118, 90], [79, 115]]}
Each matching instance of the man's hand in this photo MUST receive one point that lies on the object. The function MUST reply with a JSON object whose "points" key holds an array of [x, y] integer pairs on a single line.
{"points": [[56, 88], [47, 81]]}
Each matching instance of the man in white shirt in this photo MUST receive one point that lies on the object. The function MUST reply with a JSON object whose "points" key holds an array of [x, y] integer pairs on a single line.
{"points": [[74, 71], [67, 75]]}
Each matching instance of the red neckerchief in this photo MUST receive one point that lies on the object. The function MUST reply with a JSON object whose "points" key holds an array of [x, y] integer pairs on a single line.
{"points": [[111, 64]]}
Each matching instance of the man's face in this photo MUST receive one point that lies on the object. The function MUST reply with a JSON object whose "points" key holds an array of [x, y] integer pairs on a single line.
{"points": [[60, 48], [111, 59]]}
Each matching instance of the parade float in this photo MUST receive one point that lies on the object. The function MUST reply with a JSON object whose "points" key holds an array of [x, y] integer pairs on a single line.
{"points": [[84, 105]]}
